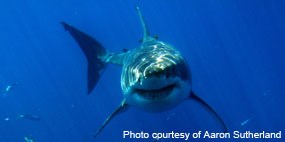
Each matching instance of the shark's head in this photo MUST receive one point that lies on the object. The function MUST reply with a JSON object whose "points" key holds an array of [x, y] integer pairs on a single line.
{"points": [[155, 77]]}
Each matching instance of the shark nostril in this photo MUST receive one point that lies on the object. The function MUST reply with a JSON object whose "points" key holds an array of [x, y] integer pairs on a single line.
{"points": [[167, 74], [173, 69]]}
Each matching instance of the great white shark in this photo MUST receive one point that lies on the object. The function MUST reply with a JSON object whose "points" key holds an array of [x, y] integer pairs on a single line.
{"points": [[155, 76]]}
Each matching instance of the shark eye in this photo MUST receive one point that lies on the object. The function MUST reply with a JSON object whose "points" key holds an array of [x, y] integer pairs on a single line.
{"points": [[139, 80]]}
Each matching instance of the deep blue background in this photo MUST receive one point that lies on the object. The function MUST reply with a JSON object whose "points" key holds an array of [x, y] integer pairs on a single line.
{"points": [[235, 50]]}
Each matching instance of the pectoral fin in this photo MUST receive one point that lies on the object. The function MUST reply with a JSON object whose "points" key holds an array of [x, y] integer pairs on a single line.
{"points": [[123, 106], [209, 109]]}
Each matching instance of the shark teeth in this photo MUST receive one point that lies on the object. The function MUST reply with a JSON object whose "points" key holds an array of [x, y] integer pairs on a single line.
{"points": [[156, 94]]}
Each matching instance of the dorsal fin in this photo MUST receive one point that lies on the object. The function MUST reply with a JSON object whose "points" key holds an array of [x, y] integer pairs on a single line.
{"points": [[145, 29]]}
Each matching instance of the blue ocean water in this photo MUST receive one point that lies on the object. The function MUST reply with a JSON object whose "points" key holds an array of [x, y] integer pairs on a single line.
{"points": [[235, 50]]}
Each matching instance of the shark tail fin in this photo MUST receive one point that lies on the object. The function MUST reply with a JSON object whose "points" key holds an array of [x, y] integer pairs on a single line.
{"points": [[93, 51], [123, 106], [144, 26], [210, 110]]}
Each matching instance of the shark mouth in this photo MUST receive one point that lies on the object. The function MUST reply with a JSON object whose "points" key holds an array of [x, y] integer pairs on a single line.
{"points": [[156, 94]]}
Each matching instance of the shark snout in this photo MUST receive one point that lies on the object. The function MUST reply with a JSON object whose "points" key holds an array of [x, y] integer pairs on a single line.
{"points": [[159, 70], [153, 82]]}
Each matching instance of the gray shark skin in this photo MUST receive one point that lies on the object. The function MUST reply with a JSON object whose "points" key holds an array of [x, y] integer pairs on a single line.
{"points": [[155, 76]]}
